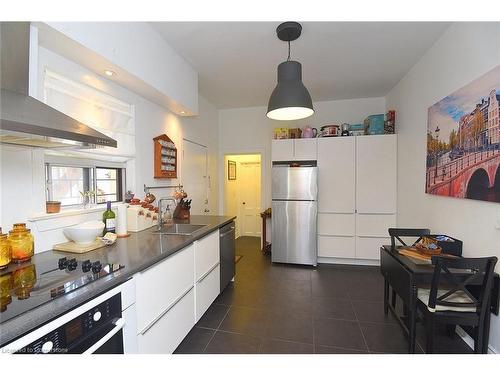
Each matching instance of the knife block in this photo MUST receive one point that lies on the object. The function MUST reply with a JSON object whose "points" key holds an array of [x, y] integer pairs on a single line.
{"points": [[181, 213]]}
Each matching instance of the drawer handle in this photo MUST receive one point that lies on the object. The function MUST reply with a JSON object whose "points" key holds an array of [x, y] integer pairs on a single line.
{"points": [[148, 327], [225, 234], [208, 272]]}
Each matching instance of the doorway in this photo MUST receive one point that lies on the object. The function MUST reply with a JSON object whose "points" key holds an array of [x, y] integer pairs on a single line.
{"points": [[242, 192], [195, 176]]}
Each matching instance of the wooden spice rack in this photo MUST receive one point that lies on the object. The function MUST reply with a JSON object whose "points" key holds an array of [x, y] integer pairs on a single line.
{"points": [[165, 157]]}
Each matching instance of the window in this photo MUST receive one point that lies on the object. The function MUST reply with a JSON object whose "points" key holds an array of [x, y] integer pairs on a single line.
{"points": [[65, 182]]}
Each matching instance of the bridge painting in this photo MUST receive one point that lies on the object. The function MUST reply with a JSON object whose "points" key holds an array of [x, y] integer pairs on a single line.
{"points": [[463, 142]]}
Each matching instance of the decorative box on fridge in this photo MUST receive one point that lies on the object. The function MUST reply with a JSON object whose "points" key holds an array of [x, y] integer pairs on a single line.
{"points": [[374, 124]]}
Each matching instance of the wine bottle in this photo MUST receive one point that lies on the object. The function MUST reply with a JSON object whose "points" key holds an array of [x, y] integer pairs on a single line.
{"points": [[109, 219]]}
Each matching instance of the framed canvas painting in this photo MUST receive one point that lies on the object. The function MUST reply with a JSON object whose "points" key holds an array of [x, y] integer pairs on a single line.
{"points": [[463, 142], [231, 170]]}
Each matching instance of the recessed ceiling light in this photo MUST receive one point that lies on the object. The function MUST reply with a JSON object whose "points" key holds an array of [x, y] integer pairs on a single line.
{"points": [[183, 112], [109, 73]]}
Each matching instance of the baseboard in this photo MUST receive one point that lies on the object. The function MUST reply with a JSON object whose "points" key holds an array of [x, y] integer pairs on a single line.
{"points": [[358, 262], [470, 341]]}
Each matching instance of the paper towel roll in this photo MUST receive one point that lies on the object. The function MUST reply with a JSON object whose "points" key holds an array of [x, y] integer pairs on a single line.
{"points": [[121, 220]]}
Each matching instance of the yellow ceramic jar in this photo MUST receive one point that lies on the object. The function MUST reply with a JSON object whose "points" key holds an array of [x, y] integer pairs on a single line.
{"points": [[5, 251], [22, 243]]}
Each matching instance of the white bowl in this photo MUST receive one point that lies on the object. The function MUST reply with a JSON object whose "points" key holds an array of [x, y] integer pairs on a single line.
{"points": [[84, 233]]}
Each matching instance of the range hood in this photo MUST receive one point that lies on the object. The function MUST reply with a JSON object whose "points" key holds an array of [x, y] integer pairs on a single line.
{"points": [[24, 120]]}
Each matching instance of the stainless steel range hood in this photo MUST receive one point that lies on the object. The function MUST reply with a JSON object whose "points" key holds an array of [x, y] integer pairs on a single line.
{"points": [[25, 120]]}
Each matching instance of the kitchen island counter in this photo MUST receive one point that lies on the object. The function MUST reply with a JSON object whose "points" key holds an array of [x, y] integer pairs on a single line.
{"points": [[136, 253]]}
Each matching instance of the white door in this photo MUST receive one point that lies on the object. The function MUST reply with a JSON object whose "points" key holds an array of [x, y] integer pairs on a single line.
{"points": [[249, 199], [376, 168], [194, 176], [336, 175]]}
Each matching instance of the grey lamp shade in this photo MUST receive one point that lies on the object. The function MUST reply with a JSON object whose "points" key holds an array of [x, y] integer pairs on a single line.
{"points": [[290, 99]]}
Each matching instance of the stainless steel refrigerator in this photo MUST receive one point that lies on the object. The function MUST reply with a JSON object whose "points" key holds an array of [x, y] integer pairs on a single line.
{"points": [[294, 215]]}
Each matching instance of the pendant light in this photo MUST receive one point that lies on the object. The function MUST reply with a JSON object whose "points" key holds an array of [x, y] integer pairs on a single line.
{"points": [[290, 99]]}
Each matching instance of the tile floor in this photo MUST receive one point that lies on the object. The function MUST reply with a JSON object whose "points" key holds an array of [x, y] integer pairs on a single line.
{"points": [[288, 309]]}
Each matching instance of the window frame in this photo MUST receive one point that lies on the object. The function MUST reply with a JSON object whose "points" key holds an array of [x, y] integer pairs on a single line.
{"points": [[89, 179]]}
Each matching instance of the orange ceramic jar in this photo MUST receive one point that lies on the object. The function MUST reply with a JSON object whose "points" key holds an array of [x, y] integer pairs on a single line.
{"points": [[24, 279], [5, 286], [5, 251], [22, 243]]}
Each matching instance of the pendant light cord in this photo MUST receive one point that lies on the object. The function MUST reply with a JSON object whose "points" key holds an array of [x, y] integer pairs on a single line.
{"points": [[288, 59]]}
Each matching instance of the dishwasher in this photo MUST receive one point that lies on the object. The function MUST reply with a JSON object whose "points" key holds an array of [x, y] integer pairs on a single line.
{"points": [[227, 266]]}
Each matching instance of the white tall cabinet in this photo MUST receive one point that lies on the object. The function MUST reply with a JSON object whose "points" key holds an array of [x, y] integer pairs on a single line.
{"points": [[357, 196]]}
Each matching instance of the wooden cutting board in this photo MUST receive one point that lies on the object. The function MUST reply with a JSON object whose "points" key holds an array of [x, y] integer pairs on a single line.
{"points": [[415, 256], [72, 247]]}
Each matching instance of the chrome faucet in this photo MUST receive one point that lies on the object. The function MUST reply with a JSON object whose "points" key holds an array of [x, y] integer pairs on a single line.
{"points": [[160, 211]]}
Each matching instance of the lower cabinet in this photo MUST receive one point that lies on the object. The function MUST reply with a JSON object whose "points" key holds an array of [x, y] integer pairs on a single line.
{"points": [[336, 246], [166, 333], [206, 291]]}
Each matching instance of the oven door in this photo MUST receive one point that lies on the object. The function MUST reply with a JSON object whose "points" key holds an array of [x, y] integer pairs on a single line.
{"points": [[108, 340]]}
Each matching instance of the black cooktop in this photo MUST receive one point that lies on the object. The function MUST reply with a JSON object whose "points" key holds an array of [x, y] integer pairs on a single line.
{"points": [[26, 286]]}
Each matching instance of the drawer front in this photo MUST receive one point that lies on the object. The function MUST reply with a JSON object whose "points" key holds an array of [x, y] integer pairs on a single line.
{"points": [[207, 291], [369, 247], [206, 254], [166, 334], [374, 225], [159, 286], [336, 224], [336, 247]]}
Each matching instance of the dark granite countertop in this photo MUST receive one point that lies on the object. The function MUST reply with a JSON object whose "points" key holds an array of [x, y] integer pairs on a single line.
{"points": [[137, 252]]}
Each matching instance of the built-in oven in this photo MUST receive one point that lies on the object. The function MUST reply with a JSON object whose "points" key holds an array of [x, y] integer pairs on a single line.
{"points": [[96, 326]]}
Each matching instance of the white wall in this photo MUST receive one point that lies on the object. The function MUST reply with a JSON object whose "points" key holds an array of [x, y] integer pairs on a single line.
{"points": [[464, 52], [22, 170], [133, 48], [248, 130]]}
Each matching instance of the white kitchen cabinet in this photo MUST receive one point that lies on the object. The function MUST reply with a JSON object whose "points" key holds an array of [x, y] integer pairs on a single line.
{"points": [[376, 168], [337, 175], [294, 149], [282, 149], [169, 330], [207, 254], [356, 195], [158, 287], [369, 247], [336, 224], [305, 149], [206, 290], [337, 246]]}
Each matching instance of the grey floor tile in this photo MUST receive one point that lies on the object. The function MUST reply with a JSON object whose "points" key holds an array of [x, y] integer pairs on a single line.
{"points": [[322, 349], [272, 346], [213, 316], [233, 343], [290, 326], [372, 312], [246, 321], [339, 333], [329, 307], [384, 338], [195, 342]]}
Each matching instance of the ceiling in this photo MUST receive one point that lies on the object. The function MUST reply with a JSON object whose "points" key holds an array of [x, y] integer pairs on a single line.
{"points": [[237, 61]]}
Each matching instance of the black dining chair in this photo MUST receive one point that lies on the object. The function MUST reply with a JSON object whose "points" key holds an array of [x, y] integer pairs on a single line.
{"points": [[450, 300], [396, 234]]}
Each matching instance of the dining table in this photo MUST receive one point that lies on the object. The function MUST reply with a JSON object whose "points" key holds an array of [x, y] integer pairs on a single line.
{"points": [[405, 276]]}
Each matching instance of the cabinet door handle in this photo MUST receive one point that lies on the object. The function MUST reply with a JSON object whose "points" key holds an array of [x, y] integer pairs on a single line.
{"points": [[207, 273], [148, 327]]}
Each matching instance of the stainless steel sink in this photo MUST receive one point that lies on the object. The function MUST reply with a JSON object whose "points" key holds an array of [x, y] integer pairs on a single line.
{"points": [[179, 229]]}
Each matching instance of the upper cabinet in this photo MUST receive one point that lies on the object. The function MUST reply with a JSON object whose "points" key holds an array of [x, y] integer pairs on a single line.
{"points": [[337, 175], [294, 149], [376, 168]]}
